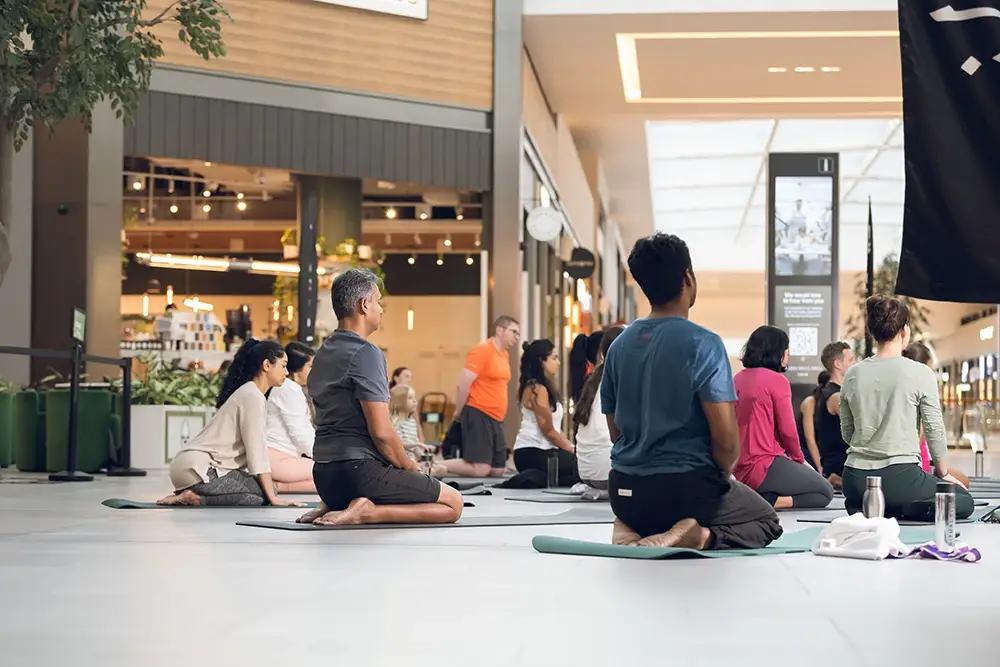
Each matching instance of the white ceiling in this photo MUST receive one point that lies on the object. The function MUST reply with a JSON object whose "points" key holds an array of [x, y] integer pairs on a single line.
{"points": [[708, 182]]}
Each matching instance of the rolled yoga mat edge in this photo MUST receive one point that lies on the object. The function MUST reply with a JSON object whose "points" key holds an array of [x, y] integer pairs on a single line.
{"points": [[555, 499], [573, 516], [789, 543]]}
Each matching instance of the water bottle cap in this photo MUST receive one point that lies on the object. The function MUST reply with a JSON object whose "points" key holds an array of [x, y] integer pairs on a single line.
{"points": [[873, 481], [945, 487]]}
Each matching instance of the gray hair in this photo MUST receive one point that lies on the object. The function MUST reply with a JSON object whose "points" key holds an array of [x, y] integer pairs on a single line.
{"points": [[350, 287]]}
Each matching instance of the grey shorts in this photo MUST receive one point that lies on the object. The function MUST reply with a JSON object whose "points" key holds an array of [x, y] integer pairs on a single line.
{"points": [[482, 438]]}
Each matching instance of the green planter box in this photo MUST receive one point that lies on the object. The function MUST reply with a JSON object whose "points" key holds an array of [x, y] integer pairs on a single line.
{"points": [[7, 429], [93, 435], [29, 432]]}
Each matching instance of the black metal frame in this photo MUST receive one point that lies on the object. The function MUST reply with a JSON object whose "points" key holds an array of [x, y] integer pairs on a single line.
{"points": [[77, 356]]}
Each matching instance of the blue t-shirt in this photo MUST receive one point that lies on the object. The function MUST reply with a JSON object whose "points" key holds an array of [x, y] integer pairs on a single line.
{"points": [[657, 374]]}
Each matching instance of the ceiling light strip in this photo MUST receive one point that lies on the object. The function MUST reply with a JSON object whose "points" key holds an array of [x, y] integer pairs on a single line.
{"points": [[628, 61], [764, 34], [766, 100]]}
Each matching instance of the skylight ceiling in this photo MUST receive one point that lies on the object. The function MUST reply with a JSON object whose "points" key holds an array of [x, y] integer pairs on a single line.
{"points": [[708, 183]]}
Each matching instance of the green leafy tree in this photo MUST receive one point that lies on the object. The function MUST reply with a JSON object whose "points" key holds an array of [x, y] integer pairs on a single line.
{"points": [[62, 58], [884, 283]]}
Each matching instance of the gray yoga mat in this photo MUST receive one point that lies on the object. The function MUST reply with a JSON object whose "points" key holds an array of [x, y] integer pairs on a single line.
{"points": [[543, 498], [124, 504], [901, 522], [573, 516], [561, 492]]}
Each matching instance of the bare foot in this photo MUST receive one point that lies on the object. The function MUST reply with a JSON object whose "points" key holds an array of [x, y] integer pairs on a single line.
{"points": [[439, 470], [185, 497], [356, 513], [685, 534], [313, 514], [784, 503], [623, 535], [835, 481]]}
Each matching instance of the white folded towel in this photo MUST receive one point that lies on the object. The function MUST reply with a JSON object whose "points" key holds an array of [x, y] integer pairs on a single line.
{"points": [[858, 537]]}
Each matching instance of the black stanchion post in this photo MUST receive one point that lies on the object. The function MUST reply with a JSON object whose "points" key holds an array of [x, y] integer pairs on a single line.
{"points": [[126, 469], [71, 474]]}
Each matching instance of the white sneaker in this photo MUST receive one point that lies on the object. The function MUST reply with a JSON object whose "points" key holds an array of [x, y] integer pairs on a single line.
{"points": [[594, 494], [579, 488]]}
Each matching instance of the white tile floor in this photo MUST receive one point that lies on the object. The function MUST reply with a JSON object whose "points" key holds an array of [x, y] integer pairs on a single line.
{"points": [[101, 587]]}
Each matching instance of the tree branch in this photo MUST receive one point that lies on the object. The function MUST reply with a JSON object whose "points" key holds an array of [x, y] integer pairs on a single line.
{"points": [[159, 18]]}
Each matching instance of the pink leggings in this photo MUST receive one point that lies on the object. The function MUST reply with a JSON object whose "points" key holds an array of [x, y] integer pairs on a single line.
{"points": [[925, 457], [292, 474]]}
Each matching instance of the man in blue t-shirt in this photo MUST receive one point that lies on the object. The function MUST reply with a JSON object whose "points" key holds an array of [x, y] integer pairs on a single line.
{"points": [[668, 395]]}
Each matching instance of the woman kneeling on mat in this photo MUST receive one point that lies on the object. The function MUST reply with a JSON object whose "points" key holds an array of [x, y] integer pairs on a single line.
{"points": [[771, 459], [290, 431], [593, 440], [226, 464], [541, 416], [882, 401]]}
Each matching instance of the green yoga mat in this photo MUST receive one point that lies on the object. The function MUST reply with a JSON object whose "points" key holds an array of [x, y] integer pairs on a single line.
{"points": [[790, 543], [123, 504], [573, 516]]}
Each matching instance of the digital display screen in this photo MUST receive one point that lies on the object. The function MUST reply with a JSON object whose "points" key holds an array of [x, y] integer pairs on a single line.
{"points": [[804, 313], [803, 225]]}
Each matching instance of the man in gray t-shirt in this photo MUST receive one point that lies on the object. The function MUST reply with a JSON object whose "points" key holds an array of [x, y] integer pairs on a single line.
{"points": [[362, 472]]}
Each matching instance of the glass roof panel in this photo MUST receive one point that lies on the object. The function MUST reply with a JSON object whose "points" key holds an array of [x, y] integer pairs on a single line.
{"points": [[704, 139], [686, 199]]}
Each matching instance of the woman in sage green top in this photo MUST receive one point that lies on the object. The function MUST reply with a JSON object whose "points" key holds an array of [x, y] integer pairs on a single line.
{"points": [[884, 401]]}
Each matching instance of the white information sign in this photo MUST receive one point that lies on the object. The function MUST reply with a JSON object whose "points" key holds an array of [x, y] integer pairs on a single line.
{"points": [[414, 9]]}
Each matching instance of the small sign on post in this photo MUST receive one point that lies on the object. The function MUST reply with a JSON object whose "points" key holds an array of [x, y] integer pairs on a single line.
{"points": [[79, 325]]}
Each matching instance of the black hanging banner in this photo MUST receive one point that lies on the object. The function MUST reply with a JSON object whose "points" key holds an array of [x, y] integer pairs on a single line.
{"points": [[951, 98], [870, 275]]}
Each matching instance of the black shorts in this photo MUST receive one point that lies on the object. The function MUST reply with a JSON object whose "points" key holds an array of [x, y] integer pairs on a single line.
{"points": [[482, 438], [651, 504], [340, 482]]}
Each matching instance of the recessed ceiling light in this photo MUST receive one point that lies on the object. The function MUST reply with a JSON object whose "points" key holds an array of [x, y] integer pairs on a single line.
{"points": [[805, 69], [777, 69], [829, 69]]}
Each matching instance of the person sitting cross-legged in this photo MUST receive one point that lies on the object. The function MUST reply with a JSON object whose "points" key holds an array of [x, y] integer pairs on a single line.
{"points": [[667, 392], [362, 472]]}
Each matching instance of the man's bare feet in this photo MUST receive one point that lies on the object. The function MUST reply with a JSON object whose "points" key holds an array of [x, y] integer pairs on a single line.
{"points": [[185, 497], [623, 535], [356, 513], [313, 514], [685, 534]]}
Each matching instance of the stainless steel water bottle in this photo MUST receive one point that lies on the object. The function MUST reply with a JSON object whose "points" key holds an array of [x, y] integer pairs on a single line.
{"points": [[979, 464], [426, 462], [944, 517], [873, 502], [552, 478]]}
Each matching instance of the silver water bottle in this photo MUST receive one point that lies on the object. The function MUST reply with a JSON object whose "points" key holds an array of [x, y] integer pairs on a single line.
{"points": [[944, 517], [873, 502], [552, 470]]}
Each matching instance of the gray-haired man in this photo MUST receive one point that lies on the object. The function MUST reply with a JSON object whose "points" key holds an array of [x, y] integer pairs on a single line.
{"points": [[362, 472]]}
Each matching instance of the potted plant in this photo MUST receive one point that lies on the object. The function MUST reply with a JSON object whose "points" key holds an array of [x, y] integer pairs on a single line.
{"points": [[169, 407], [884, 282]]}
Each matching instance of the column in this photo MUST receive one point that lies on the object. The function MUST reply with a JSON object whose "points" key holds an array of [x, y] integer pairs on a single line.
{"points": [[502, 217], [329, 210], [77, 253], [15, 292]]}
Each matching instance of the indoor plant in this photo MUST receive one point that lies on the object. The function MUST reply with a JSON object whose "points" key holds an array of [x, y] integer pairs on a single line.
{"points": [[884, 283]]}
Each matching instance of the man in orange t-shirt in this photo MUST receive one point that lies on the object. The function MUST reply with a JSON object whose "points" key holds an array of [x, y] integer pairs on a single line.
{"points": [[481, 403]]}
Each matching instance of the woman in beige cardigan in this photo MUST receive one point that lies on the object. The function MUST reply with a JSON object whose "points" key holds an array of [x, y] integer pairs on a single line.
{"points": [[227, 463]]}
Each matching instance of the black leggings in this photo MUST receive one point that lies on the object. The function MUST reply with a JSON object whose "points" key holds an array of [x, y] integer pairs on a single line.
{"points": [[235, 488], [909, 492], [806, 487], [533, 458]]}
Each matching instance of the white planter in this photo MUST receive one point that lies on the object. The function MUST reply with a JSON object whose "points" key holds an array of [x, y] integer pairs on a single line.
{"points": [[160, 431]]}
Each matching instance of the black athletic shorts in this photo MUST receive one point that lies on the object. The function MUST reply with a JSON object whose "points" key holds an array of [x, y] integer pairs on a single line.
{"points": [[482, 438], [340, 482]]}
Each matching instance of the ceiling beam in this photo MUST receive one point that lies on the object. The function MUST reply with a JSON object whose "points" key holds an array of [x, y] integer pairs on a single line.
{"points": [[729, 156], [887, 144]]}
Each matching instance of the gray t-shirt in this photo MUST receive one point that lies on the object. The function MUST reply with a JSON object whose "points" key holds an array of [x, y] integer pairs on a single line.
{"points": [[347, 370], [883, 403]]}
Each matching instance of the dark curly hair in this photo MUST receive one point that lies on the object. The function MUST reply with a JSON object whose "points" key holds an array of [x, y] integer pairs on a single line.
{"points": [[765, 349], [885, 317], [247, 364], [532, 372]]}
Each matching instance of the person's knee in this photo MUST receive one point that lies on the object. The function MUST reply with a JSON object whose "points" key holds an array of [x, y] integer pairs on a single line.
{"points": [[479, 469], [453, 499]]}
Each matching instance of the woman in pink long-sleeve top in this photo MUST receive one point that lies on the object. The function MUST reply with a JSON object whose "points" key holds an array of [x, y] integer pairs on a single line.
{"points": [[771, 460]]}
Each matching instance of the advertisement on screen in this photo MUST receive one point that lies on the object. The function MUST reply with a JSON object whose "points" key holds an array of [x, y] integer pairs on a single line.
{"points": [[803, 226], [803, 312]]}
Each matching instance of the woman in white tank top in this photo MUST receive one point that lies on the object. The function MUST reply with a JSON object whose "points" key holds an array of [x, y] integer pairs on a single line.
{"points": [[593, 439], [541, 415]]}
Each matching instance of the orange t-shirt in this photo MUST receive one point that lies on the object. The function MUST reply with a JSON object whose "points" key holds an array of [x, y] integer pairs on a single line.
{"points": [[489, 390]]}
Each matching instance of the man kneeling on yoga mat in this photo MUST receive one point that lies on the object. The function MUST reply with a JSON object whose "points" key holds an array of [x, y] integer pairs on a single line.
{"points": [[668, 395], [362, 472]]}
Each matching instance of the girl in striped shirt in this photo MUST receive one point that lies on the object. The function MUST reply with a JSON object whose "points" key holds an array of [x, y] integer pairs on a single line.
{"points": [[403, 412]]}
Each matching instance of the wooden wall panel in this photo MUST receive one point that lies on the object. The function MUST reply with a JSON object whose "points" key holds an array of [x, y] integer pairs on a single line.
{"points": [[447, 58]]}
